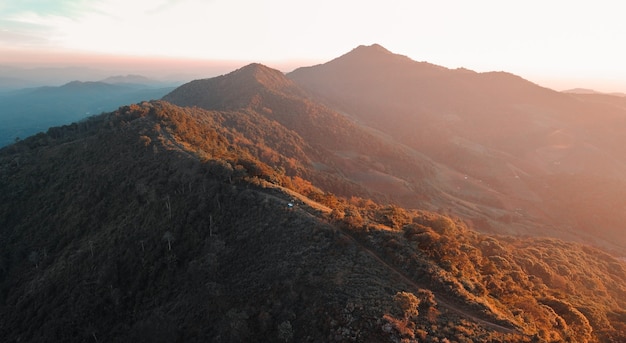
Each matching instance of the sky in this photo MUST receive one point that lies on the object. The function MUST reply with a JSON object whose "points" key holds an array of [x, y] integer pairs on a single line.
{"points": [[558, 44]]}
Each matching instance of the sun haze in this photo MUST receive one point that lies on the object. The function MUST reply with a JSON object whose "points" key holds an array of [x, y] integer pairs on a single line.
{"points": [[559, 44]]}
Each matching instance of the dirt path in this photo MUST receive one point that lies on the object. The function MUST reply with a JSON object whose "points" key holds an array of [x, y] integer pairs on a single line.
{"points": [[442, 300]]}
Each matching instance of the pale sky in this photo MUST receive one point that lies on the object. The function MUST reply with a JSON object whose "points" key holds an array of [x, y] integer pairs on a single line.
{"points": [[556, 43]]}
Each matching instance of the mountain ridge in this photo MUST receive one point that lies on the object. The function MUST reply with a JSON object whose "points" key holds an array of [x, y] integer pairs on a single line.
{"points": [[492, 127], [344, 143], [234, 90], [129, 79]]}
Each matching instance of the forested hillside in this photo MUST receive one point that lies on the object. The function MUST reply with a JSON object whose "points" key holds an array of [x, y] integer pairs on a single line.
{"points": [[162, 223]]}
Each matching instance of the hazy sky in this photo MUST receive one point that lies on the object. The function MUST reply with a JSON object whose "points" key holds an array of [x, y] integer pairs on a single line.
{"points": [[556, 43]]}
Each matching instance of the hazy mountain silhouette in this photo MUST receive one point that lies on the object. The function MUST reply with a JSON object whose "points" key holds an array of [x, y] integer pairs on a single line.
{"points": [[581, 91], [339, 145], [590, 91], [526, 144], [259, 207], [45, 76], [131, 80], [28, 111]]}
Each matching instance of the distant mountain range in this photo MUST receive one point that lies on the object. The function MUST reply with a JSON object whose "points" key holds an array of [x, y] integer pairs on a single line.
{"points": [[131, 79], [372, 198], [15, 78], [31, 110], [589, 91]]}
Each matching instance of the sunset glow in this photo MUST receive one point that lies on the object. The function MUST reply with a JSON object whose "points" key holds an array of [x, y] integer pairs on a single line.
{"points": [[558, 44], [320, 171]]}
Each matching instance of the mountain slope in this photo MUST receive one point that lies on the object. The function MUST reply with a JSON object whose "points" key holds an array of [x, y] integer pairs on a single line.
{"points": [[507, 135], [141, 236], [160, 223], [341, 146]]}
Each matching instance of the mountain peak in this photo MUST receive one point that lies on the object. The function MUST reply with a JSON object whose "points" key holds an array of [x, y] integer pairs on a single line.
{"points": [[361, 58], [375, 53], [261, 74], [254, 67], [374, 48], [233, 90]]}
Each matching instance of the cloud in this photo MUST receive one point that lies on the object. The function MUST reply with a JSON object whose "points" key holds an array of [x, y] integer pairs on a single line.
{"points": [[67, 8], [190, 28], [15, 39], [550, 38], [35, 23], [166, 5]]}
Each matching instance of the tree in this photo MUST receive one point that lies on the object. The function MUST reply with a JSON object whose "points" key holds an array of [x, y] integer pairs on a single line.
{"points": [[168, 205], [34, 258], [145, 140], [336, 215], [353, 218], [91, 247], [169, 237], [285, 331], [427, 305], [240, 332], [210, 225], [408, 302]]}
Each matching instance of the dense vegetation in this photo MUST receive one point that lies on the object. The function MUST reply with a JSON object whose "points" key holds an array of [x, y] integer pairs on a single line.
{"points": [[161, 223]]}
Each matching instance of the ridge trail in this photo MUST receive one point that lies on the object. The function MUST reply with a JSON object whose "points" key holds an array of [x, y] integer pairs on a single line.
{"points": [[442, 300]]}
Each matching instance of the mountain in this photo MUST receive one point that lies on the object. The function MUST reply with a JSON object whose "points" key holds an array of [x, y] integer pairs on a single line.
{"points": [[581, 91], [19, 78], [590, 91], [338, 145], [252, 207], [345, 148], [28, 111], [129, 79], [554, 159], [162, 223]]}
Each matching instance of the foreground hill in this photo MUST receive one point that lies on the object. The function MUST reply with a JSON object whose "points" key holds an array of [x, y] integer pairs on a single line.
{"points": [[553, 159], [160, 223]]}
